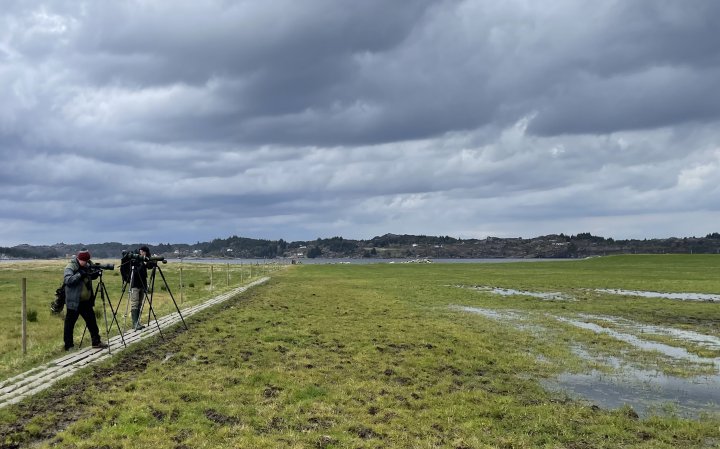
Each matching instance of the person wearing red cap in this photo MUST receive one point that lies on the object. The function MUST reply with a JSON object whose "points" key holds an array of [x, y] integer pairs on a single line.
{"points": [[80, 299]]}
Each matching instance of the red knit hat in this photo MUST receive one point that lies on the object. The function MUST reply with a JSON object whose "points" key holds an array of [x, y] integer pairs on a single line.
{"points": [[84, 255]]}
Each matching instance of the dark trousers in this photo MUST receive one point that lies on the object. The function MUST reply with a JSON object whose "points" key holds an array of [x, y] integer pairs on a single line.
{"points": [[85, 310]]}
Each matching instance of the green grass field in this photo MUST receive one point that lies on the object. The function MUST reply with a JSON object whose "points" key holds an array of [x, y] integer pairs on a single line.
{"points": [[376, 356]]}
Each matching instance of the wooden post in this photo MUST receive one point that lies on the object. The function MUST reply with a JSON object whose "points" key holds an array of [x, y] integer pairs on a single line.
{"points": [[181, 285], [24, 316], [227, 270], [211, 277]]}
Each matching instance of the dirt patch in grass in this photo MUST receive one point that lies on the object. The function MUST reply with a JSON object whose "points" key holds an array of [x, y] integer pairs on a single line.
{"points": [[220, 418]]}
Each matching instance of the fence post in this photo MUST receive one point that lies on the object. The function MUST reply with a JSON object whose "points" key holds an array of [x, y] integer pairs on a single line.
{"points": [[181, 285], [227, 270], [24, 316], [211, 277]]}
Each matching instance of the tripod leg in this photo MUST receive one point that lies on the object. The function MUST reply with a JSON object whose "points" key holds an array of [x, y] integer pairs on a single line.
{"points": [[152, 311], [114, 320], [116, 310], [149, 299], [172, 297], [101, 287], [97, 289], [150, 296], [127, 309]]}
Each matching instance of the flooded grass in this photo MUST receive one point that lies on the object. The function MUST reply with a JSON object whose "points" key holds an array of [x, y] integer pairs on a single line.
{"points": [[655, 366], [706, 346], [617, 381], [646, 392], [551, 296], [681, 296]]}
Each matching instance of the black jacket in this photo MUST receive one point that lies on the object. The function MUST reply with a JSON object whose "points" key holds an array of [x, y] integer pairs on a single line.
{"points": [[139, 279]]}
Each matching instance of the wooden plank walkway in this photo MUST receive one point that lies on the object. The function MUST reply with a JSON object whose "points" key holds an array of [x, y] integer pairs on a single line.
{"points": [[15, 389]]}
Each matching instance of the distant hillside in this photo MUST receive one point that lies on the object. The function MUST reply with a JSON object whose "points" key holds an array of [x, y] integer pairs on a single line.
{"points": [[390, 246]]}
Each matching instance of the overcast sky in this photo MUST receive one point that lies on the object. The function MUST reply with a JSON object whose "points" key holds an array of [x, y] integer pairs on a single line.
{"points": [[187, 120]]}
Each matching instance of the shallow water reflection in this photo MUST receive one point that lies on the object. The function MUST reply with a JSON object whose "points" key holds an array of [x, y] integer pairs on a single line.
{"points": [[670, 351], [706, 341], [682, 296], [513, 292], [647, 391]]}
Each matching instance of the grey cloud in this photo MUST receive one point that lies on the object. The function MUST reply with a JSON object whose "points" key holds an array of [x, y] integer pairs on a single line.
{"points": [[650, 100], [357, 76], [186, 121]]}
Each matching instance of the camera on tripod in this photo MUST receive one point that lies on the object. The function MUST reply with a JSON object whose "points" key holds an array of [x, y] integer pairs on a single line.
{"points": [[134, 256], [132, 260], [99, 267]]}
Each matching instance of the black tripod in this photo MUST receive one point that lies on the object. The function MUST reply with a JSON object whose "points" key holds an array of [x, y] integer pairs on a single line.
{"points": [[130, 281], [156, 269], [105, 296]]}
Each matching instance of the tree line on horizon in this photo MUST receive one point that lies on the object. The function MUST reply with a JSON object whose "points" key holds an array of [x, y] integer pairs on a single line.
{"points": [[388, 246]]}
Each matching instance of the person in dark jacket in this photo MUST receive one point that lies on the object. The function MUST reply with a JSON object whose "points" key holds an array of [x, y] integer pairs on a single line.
{"points": [[138, 285], [80, 300]]}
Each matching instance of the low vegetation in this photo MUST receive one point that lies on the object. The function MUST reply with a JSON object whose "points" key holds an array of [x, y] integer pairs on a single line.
{"points": [[378, 355]]}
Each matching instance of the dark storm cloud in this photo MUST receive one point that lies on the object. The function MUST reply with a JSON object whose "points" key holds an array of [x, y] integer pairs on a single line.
{"points": [[189, 120], [658, 97], [638, 65]]}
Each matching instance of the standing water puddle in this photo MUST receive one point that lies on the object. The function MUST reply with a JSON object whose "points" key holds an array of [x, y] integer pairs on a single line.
{"points": [[489, 313], [646, 391], [512, 292], [670, 351], [706, 341], [683, 296]]}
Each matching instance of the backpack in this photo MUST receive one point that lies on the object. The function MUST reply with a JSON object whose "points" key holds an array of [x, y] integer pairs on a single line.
{"points": [[57, 305], [126, 266]]}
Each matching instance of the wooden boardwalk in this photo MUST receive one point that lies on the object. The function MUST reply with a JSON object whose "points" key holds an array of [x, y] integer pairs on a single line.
{"points": [[17, 388]]}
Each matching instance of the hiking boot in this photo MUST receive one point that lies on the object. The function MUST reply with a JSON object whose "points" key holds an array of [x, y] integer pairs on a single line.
{"points": [[99, 345], [70, 349], [135, 314]]}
